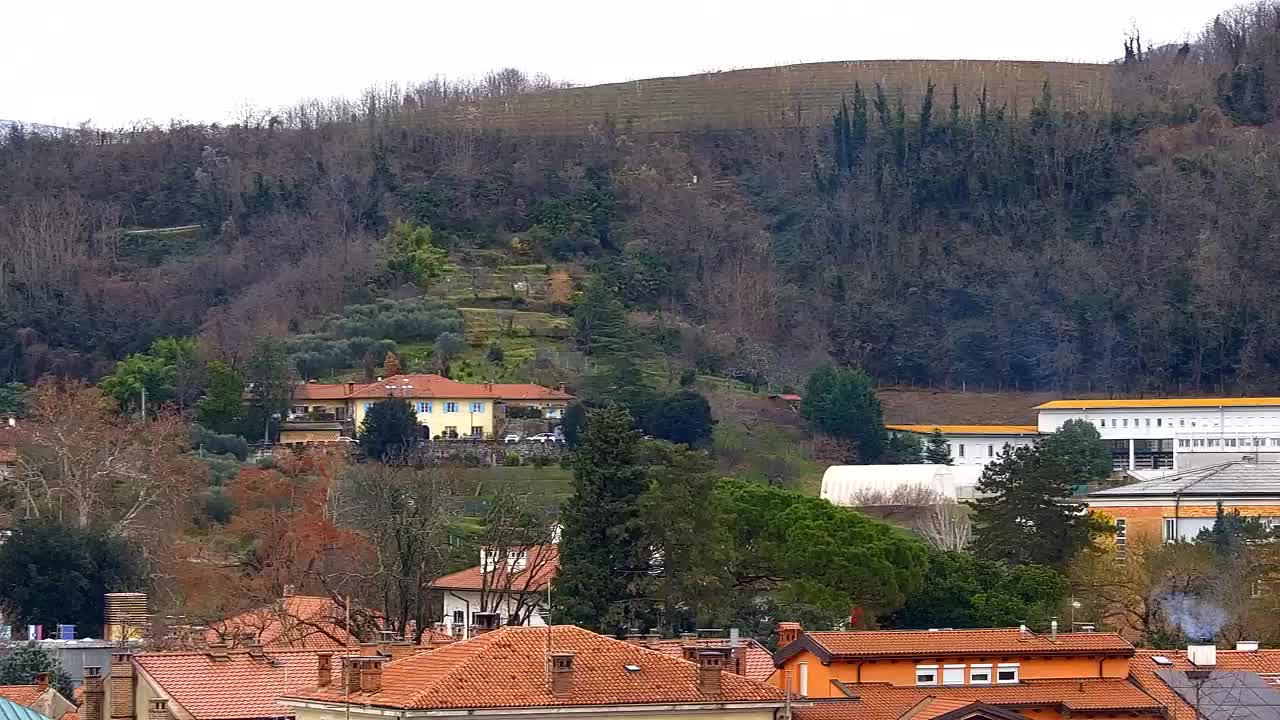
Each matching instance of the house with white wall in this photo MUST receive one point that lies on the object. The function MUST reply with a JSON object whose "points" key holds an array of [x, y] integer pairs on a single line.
{"points": [[974, 444], [508, 587]]}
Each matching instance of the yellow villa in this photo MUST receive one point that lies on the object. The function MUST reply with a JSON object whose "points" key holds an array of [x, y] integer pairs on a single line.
{"points": [[445, 408]]}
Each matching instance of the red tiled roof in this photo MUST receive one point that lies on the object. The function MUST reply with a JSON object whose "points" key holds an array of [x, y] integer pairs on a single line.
{"points": [[887, 702], [70, 715], [240, 687], [543, 562], [297, 621], [427, 386], [999, 641], [22, 694], [1142, 668], [506, 668], [757, 660], [435, 638]]}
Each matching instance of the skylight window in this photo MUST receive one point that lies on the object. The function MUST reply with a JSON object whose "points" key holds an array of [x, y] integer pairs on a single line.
{"points": [[631, 668], [1161, 660]]}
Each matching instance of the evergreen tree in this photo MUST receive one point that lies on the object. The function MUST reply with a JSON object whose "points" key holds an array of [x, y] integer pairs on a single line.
{"points": [[599, 322], [389, 429], [858, 125], [936, 449], [391, 365], [604, 555], [682, 417], [926, 117], [21, 665], [842, 402], [222, 407], [1080, 447]]}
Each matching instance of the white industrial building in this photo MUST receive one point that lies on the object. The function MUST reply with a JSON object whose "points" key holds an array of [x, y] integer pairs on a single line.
{"points": [[854, 485], [1179, 434], [975, 444]]}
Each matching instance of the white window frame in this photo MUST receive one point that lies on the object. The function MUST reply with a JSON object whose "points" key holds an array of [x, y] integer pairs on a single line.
{"points": [[961, 449], [1006, 667], [477, 407], [981, 669], [804, 679], [1170, 529], [450, 406], [953, 674], [931, 671], [1122, 531]]}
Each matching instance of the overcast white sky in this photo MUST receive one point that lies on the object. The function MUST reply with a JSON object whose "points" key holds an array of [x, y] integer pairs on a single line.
{"points": [[112, 63]]}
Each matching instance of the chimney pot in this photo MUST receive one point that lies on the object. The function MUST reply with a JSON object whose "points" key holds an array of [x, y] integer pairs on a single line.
{"points": [[1053, 630], [1203, 655], [159, 709], [788, 632], [562, 674], [710, 664], [371, 674], [122, 686], [42, 680], [1247, 646]]}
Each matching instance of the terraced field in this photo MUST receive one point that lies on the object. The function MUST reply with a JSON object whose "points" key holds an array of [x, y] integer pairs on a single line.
{"points": [[776, 97]]}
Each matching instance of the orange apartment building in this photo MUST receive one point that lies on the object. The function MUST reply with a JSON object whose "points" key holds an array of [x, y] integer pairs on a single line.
{"points": [[1178, 506], [894, 675]]}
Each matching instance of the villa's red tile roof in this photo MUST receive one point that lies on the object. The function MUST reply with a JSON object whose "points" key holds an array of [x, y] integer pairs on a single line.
{"points": [[507, 668], [426, 386], [887, 702], [999, 641], [240, 687], [757, 661], [22, 694], [297, 621]]}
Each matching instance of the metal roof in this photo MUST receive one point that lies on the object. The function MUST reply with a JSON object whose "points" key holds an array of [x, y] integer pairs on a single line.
{"points": [[1226, 695], [1233, 478], [969, 429], [10, 710], [1159, 403]]}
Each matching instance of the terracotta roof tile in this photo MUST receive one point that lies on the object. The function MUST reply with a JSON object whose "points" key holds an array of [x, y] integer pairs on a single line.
{"points": [[507, 668], [318, 391], [757, 660], [297, 621], [887, 702], [427, 386], [21, 694], [1142, 668], [241, 687], [542, 563], [901, 643]]}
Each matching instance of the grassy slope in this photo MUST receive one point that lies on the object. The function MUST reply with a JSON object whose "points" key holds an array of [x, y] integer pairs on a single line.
{"points": [[777, 97]]}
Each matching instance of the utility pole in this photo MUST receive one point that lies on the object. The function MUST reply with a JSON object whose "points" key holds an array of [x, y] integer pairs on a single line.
{"points": [[144, 404]]}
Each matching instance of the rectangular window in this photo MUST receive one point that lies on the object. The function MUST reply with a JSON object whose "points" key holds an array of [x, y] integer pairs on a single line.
{"points": [[451, 407], [1182, 423], [1148, 422], [979, 674], [1158, 421], [1135, 422], [1213, 442], [1125, 422], [926, 674], [1007, 673], [477, 407], [1121, 532], [953, 674], [961, 449], [477, 431], [1102, 422], [991, 451], [1183, 442], [1229, 442], [1170, 529], [424, 406], [1198, 442]]}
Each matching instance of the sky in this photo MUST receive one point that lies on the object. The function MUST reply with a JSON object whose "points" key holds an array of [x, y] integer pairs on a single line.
{"points": [[114, 63]]}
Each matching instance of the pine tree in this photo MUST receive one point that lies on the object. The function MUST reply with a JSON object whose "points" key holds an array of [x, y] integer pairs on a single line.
{"points": [[858, 125], [603, 554], [936, 449], [926, 117]]}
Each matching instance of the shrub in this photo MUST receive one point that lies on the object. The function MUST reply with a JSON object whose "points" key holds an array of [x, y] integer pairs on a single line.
{"points": [[219, 444], [511, 459], [218, 506]]}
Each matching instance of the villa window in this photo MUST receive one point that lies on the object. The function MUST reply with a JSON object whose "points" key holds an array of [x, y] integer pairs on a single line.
{"points": [[451, 407], [477, 407], [1007, 673], [980, 675], [953, 674], [424, 406], [926, 674]]}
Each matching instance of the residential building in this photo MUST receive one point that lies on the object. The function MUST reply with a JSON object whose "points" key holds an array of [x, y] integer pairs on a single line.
{"points": [[445, 408], [508, 587], [41, 698], [516, 672], [1181, 434], [862, 485], [1234, 683], [1178, 506], [975, 444]]}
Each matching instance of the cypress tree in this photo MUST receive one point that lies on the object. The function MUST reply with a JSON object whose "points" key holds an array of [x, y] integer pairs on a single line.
{"points": [[858, 125], [603, 553], [926, 116]]}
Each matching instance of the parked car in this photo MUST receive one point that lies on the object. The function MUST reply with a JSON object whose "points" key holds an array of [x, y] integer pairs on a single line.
{"points": [[512, 438], [544, 438], [345, 439]]}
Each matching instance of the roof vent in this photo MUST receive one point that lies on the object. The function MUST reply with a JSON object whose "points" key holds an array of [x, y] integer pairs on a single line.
{"points": [[1247, 646], [1161, 660], [631, 668]]}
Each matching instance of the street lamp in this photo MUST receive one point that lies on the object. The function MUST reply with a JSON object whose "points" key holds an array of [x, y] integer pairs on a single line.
{"points": [[1075, 605]]}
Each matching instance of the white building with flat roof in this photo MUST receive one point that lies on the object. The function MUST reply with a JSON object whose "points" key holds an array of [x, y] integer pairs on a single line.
{"points": [[1175, 433], [975, 444]]}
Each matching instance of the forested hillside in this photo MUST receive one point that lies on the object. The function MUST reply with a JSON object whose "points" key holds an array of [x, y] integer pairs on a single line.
{"points": [[936, 237]]}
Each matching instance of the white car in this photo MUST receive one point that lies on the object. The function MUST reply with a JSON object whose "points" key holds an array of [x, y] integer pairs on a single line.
{"points": [[512, 438], [345, 439], [544, 438]]}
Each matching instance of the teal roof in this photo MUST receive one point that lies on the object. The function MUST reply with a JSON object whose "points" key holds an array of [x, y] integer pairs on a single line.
{"points": [[10, 710]]}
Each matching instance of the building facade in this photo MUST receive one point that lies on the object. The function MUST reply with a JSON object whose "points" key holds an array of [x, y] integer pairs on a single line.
{"points": [[1175, 434], [975, 444], [508, 587]]}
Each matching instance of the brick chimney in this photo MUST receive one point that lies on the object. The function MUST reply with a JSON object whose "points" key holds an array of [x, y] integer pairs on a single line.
{"points": [[121, 686], [562, 674], [42, 680], [690, 652], [159, 710], [402, 649], [710, 663], [788, 632], [324, 669], [351, 675], [94, 694], [371, 674]]}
